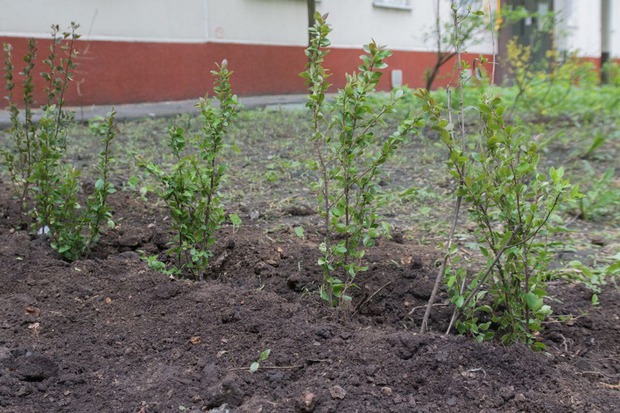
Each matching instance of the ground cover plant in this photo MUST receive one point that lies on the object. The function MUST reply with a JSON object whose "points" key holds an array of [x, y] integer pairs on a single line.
{"points": [[106, 332]]}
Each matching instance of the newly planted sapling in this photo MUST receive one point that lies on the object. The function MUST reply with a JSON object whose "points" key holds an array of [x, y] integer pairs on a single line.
{"points": [[46, 185], [349, 156], [190, 188], [73, 230], [511, 201], [18, 159], [44, 142]]}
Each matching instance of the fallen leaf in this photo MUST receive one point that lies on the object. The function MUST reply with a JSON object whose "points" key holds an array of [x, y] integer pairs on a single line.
{"points": [[34, 327], [195, 340], [108, 300], [406, 260], [34, 311]]}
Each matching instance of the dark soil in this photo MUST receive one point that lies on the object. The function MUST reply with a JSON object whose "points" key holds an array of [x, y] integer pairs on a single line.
{"points": [[106, 334]]}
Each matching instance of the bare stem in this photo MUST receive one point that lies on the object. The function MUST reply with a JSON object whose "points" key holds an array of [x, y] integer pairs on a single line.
{"points": [[459, 199]]}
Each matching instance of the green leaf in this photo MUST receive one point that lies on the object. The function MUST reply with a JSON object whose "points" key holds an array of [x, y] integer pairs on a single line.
{"points": [[459, 301], [533, 301], [64, 248], [254, 366], [299, 231], [235, 220], [264, 355]]}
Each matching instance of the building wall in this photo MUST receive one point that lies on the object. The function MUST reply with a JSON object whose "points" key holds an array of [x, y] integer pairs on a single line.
{"points": [[155, 50], [124, 20]]}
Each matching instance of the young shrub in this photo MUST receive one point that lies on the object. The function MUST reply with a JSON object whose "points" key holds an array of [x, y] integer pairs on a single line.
{"points": [[190, 188], [47, 187], [33, 142], [511, 202], [349, 156], [18, 159], [72, 230]]}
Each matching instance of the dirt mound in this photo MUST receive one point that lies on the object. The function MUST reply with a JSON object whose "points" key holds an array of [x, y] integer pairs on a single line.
{"points": [[106, 334]]}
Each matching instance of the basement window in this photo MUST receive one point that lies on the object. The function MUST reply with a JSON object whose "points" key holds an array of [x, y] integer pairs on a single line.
{"points": [[393, 4]]}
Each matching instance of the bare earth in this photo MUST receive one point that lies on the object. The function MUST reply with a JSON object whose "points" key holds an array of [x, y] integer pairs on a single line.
{"points": [[106, 334]]}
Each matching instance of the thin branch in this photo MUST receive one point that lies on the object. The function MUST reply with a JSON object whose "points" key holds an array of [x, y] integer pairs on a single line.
{"points": [[267, 368], [458, 311], [371, 296], [459, 199]]}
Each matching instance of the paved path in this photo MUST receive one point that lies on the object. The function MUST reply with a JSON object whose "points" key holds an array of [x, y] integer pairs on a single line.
{"points": [[140, 110]]}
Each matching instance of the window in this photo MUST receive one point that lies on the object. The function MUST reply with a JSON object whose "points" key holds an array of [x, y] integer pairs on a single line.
{"points": [[393, 4]]}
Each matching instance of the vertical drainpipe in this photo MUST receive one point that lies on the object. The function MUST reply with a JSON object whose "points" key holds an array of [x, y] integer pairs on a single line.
{"points": [[605, 36]]}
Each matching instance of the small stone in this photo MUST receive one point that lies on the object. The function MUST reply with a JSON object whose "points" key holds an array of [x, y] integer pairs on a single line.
{"points": [[324, 333], [387, 391], [507, 392], [262, 268], [345, 335], [520, 397], [308, 402], [337, 392]]}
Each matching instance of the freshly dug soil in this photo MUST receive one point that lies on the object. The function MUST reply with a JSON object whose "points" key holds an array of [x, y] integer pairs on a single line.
{"points": [[106, 334]]}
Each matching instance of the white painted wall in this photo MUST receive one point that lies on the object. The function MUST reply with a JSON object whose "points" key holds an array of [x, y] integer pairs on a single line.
{"points": [[280, 22], [615, 29], [354, 23], [579, 26], [147, 20]]}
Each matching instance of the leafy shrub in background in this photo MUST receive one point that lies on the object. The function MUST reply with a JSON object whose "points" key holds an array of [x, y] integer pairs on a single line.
{"points": [[190, 188], [348, 160], [612, 72], [542, 84], [542, 88], [47, 187], [600, 200]]}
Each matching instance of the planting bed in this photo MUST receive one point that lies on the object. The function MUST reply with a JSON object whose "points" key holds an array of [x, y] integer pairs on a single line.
{"points": [[107, 334]]}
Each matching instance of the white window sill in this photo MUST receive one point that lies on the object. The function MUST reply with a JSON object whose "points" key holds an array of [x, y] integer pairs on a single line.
{"points": [[381, 4]]}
